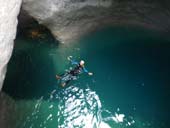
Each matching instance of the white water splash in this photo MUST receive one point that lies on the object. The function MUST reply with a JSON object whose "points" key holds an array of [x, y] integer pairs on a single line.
{"points": [[77, 108], [118, 118], [82, 108]]}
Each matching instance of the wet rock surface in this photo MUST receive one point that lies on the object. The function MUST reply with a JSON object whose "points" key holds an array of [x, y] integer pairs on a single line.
{"points": [[69, 20]]}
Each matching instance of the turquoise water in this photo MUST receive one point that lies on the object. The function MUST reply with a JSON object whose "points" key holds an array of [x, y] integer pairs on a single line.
{"points": [[131, 79]]}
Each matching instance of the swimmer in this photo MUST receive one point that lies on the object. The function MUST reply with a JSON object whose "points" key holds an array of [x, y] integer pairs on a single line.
{"points": [[72, 74]]}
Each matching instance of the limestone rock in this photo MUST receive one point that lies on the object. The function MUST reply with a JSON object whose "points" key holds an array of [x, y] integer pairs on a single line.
{"points": [[9, 10], [71, 19], [67, 19]]}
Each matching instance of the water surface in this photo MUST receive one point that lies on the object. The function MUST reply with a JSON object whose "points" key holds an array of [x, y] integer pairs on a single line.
{"points": [[131, 79]]}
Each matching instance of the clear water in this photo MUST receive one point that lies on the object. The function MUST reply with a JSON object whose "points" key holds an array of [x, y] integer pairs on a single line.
{"points": [[131, 79]]}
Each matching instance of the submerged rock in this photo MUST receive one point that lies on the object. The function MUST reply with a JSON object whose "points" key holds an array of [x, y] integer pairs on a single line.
{"points": [[71, 19], [8, 23]]}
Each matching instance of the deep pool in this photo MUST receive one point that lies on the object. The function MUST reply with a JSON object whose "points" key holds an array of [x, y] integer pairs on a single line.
{"points": [[131, 78]]}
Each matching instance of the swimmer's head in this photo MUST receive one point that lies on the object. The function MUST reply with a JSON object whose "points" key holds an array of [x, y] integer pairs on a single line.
{"points": [[82, 63]]}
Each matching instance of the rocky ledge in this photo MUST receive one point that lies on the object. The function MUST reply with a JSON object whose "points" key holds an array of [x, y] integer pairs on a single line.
{"points": [[69, 20]]}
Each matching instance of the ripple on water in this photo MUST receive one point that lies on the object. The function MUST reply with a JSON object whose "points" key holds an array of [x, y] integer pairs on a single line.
{"points": [[75, 107]]}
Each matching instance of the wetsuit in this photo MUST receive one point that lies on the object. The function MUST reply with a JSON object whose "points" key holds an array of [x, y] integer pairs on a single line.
{"points": [[72, 74], [78, 69]]}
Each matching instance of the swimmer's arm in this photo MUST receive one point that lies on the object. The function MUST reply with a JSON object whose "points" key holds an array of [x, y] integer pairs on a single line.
{"points": [[72, 61], [86, 71]]}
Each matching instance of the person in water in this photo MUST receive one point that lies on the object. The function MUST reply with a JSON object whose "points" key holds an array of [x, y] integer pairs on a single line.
{"points": [[73, 74]]}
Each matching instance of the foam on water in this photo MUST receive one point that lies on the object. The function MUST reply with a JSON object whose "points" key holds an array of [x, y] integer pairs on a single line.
{"points": [[82, 108], [76, 108]]}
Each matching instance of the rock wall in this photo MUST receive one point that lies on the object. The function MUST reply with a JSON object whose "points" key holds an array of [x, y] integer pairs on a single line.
{"points": [[9, 10], [65, 18], [71, 19]]}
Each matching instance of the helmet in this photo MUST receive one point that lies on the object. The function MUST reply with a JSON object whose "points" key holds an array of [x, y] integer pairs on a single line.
{"points": [[82, 62]]}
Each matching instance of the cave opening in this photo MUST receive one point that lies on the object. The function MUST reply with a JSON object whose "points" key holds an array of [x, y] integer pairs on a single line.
{"points": [[30, 62]]}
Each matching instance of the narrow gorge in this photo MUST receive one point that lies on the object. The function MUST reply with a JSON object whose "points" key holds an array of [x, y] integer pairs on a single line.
{"points": [[124, 43]]}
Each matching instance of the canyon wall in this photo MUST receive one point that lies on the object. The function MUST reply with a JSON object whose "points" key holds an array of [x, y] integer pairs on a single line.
{"points": [[69, 20], [9, 10]]}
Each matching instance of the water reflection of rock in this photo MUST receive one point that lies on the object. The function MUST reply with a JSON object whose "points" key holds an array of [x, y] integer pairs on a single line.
{"points": [[12, 112]]}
